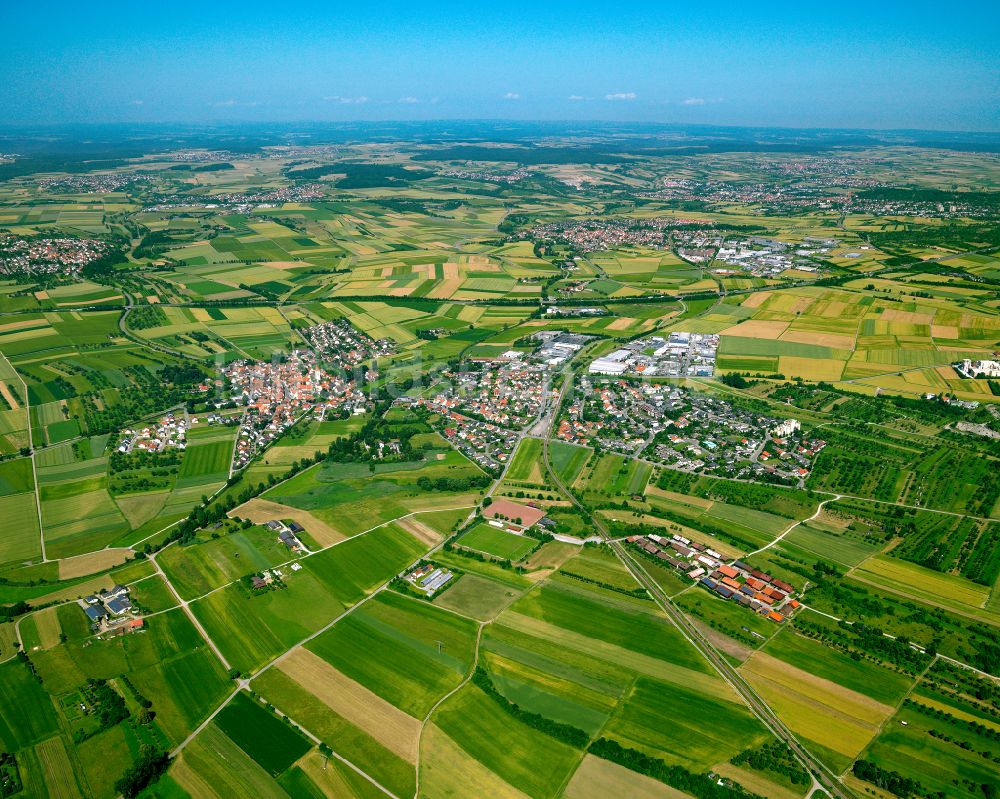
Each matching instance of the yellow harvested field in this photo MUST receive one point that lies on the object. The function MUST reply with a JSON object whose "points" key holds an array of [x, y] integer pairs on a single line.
{"points": [[810, 368], [92, 562], [450, 271], [328, 780], [956, 712], [429, 502], [8, 395], [7, 327], [47, 624], [819, 709], [832, 310], [837, 341], [260, 510], [944, 331], [756, 299], [757, 328], [420, 531], [620, 324], [445, 289], [901, 576], [41, 295], [756, 782], [447, 771], [387, 724], [471, 313], [699, 502], [909, 317], [801, 304], [482, 263], [597, 778]]}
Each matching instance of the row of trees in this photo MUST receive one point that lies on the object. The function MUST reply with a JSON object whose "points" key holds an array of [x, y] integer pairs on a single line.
{"points": [[146, 769], [775, 757], [888, 780], [561, 732], [700, 786]]}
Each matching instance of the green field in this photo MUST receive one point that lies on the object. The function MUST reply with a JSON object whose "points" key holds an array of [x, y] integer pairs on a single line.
{"points": [[527, 464], [26, 712], [881, 684], [201, 567], [250, 630], [441, 249], [351, 499], [476, 596], [954, 767], [390, 645], [499, 543], [169, 663], [205, 462], [524, 758], [271, 742], [567, 460], [21, 540]]}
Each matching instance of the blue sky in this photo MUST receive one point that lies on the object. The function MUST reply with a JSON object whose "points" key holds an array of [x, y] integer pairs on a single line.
{"points": [[876, 64]]}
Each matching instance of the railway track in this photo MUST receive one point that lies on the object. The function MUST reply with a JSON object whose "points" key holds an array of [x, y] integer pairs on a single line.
{"points": [[824, 779]]}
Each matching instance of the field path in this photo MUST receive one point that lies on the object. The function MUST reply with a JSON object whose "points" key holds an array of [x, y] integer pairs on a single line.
{"points": [[319, 742], [443, 699], [190, 614], [819, 510]]}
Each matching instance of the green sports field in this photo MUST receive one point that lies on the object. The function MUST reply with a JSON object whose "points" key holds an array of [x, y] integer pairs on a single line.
{"points": [[499, 543]]}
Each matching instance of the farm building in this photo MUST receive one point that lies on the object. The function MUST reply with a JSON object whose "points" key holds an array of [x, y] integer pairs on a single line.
{"points": [[119, 605], [95, 613]]}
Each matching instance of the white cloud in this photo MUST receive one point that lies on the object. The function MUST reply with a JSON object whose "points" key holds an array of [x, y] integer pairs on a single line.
{"points": [[231, 103], [408, 100], [693, 101], [137, 102], [337, 98], [621, 96], [512, 96], [576, 97]]}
